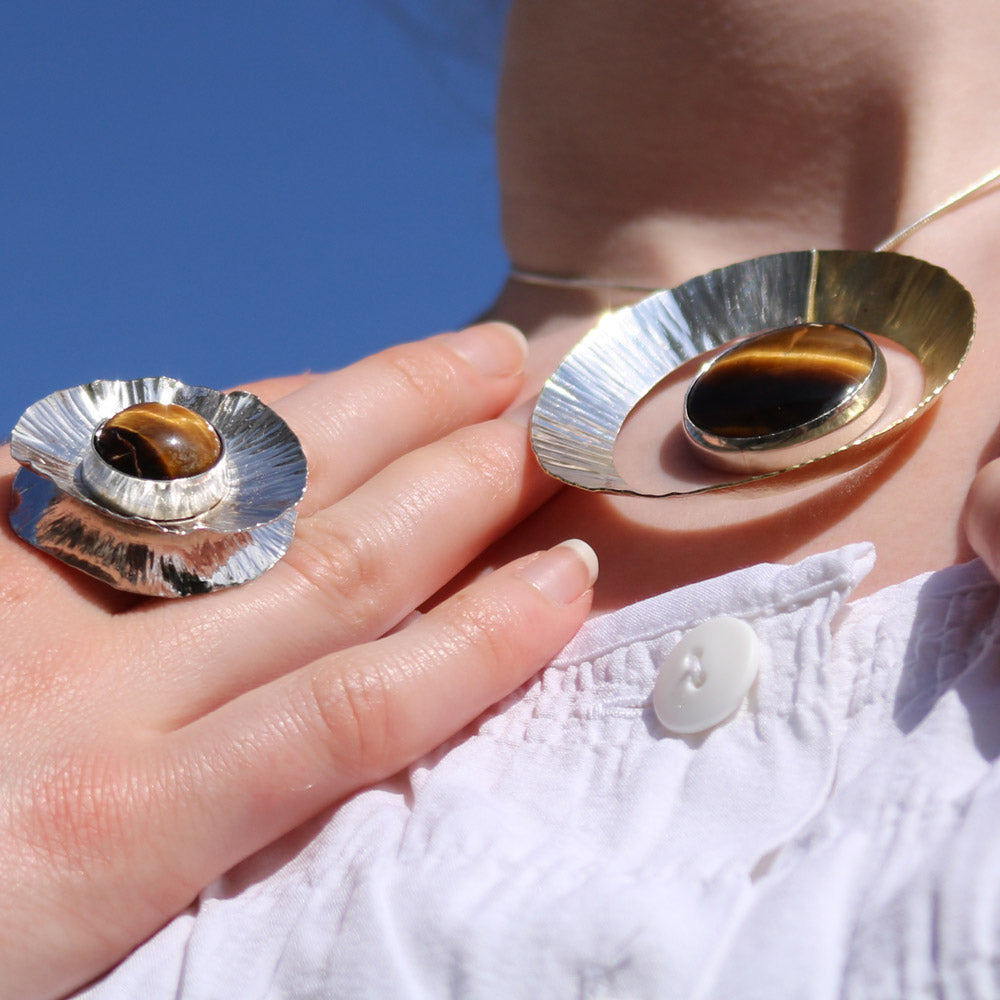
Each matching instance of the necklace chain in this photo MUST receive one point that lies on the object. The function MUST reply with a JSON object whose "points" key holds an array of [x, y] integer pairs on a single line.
{"points": [[977, 187]]}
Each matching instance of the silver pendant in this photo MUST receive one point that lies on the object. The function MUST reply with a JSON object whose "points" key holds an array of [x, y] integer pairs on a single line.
{"points": [[918, 319]]}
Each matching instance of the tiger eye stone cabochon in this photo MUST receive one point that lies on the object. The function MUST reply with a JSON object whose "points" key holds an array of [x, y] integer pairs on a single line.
{"points": [[158, 441], [781, 382]]}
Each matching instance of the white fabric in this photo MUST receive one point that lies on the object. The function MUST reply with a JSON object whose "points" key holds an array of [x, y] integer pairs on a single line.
{"points": [[838, 837]]}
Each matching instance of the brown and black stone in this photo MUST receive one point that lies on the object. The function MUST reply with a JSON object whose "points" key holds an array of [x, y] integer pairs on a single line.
{"points": [[780, 380], [158, 441]]}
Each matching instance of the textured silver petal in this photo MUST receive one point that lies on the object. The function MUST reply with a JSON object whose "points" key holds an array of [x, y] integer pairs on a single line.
{"points": [[242, 535], [584, 404]]}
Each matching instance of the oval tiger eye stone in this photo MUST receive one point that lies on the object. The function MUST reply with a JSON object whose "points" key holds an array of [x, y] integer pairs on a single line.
{"points": [[158, 441], [779, 381]]}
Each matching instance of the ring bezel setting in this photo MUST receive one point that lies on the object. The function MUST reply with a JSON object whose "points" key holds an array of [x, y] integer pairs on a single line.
{"points": [[158, 500]]}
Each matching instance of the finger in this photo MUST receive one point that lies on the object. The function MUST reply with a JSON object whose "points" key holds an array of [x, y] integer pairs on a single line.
{"points": [[351, 573], [267, 761], [982, 516], [353, 422], [271, 389]]}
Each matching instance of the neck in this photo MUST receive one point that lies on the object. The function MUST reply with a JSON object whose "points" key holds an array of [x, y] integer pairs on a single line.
{"points": [[672, 138], [647, 141]]}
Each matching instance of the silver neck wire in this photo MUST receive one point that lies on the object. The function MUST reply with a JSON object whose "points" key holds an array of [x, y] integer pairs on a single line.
{"points": [[977, 187]]}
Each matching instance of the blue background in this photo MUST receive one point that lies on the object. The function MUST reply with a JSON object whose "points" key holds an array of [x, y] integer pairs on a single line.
{"points": [[221, 191]]}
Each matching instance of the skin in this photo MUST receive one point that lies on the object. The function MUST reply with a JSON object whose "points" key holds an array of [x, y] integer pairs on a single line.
{"points": [[657, 141], [148, 746]]}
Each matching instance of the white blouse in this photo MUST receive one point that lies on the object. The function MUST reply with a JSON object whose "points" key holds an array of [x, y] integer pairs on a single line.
{"points": [[838, 836]]}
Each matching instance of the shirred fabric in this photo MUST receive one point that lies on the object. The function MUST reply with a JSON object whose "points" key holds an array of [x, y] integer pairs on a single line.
{"points": [[836, 837]]}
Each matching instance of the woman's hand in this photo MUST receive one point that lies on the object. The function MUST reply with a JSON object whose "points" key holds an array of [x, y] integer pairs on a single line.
{"points": [[147, 746]]}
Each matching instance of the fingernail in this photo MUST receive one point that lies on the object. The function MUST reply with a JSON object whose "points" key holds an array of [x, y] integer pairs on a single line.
{"points": [[563, 573], [521, 414], [495, 349]]}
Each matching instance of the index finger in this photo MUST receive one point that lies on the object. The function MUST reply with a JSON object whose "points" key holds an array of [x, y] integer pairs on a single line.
{"points": [[355, 421]]}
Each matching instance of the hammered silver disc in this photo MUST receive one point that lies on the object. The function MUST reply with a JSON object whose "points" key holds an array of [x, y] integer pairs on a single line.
{"points": [[917, 309]]}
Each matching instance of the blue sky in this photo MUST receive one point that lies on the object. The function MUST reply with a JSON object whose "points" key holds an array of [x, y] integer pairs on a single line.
{"points": [[220, 191]]}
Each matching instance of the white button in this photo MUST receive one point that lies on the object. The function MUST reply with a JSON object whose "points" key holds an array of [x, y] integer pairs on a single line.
{"points": [[706, 676]]}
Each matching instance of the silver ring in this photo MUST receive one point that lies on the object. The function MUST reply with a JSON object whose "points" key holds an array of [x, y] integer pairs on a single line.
{"points": [[201, 521]]}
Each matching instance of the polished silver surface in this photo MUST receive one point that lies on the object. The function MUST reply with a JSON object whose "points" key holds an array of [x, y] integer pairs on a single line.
{"points": [[153, 499], [910, 304], [131, 556], [245, 531]]}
